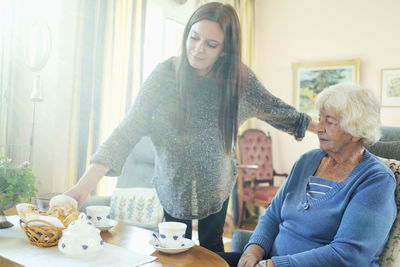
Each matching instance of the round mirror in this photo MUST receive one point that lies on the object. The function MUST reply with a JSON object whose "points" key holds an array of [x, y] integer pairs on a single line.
{"points": [[39, 45]]}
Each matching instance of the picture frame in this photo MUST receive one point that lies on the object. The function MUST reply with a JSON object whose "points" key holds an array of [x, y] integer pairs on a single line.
{"points": [[390, 87], [310, 78]]}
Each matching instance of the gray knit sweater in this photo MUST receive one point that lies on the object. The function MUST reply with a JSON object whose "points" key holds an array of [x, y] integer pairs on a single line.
{"points": [[193, 176]]}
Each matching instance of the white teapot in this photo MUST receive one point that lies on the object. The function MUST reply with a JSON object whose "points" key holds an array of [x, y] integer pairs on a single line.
{"points": [[80, 238]]}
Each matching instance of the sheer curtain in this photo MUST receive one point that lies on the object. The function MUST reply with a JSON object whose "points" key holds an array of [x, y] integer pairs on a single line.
{"points": [[7, 23], [245, 10], [107, 76]]}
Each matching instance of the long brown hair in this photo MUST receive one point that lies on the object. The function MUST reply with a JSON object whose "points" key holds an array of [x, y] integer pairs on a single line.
{"points": [[227, 70]]}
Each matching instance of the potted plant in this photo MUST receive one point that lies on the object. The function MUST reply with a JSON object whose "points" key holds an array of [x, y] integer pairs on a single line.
{"points": [[17, 184]]}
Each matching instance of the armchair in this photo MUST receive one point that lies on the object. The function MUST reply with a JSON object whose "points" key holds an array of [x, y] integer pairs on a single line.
{"points": [[255, 170], [389, 148]]}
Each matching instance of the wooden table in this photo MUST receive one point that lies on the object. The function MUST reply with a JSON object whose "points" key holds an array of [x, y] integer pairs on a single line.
{"points": [[137, 239]]}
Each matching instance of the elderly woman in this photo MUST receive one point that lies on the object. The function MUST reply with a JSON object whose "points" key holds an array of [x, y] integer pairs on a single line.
{"points": [[337, 205]]}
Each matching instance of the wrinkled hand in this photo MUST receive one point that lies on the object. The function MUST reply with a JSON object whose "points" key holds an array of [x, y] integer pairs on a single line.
{"points": [[266, 263], [252, 255]]}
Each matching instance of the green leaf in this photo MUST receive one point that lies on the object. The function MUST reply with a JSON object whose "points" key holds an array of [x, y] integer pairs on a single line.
{"points": [[17, 182]]}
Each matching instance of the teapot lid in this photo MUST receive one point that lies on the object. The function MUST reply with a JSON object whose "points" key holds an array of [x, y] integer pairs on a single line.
{"points": [[81, 226]]}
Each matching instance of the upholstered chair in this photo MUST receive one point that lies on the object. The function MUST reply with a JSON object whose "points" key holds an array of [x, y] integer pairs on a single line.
{"points": [[256, 174]]}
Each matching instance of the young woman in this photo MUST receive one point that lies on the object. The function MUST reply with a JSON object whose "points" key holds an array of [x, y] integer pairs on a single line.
{"points": [[191, 107]]}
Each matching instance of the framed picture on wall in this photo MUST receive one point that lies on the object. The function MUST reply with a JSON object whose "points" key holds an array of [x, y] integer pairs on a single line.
{"points": [[390, 87], [310, 78]]}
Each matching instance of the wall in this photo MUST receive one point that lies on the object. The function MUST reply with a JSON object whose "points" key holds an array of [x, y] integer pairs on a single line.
{"points": [[288, 31]]}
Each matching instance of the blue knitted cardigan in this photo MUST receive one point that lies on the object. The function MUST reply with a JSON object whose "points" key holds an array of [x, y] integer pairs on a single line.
{"points": [[347, 227]]}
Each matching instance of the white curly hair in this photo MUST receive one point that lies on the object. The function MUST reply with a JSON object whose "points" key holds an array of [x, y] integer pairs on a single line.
{"points": [[357, 108]]}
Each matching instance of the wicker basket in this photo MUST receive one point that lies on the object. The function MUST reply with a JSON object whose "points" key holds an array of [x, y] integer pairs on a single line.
{"points": [[41, 236]]}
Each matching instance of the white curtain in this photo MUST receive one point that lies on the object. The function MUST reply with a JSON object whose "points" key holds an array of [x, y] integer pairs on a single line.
{"points": [[109, 76]]}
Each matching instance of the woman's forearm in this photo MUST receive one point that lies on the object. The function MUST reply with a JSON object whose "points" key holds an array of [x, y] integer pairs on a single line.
{"points": [[87, 182], [92, 176]]}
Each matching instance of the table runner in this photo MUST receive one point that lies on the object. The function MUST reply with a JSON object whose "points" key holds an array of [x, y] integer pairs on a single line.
{"points": [[15, 246]]}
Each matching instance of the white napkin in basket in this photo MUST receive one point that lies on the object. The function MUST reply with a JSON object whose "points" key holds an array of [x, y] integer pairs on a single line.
{"points": [[50, 219]]}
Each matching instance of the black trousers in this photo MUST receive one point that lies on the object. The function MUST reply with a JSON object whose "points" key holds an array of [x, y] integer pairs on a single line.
{"points": [[211, 228], [232, 258]]}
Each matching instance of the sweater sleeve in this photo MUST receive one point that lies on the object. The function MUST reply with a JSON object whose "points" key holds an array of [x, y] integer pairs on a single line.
{"points": [[257, 101], [136, 124], [363, 230]]}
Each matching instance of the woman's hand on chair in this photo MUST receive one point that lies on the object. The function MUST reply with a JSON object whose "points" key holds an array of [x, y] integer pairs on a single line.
{"points": [[312, 127]]}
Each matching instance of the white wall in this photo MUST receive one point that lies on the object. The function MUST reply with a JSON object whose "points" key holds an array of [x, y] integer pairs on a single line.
{"points": [[288, 31]]}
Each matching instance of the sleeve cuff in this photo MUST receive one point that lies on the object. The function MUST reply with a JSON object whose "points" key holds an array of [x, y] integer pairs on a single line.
{"points": [[302, 125], [281, 261], [115, 168]]}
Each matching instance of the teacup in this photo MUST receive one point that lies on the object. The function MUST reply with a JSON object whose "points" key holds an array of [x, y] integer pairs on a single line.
{"points": [[99, 215], [172, 234]]}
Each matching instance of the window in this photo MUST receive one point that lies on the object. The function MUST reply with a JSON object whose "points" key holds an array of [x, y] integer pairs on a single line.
{"points": [[162, 39]]}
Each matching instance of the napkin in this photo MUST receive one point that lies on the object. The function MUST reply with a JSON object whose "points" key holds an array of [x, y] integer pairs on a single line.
{"points": [[15, 246]]}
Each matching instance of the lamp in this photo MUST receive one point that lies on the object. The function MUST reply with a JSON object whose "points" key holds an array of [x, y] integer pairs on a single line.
{"points": [[37, 57], [37, 92], [36, 96]]}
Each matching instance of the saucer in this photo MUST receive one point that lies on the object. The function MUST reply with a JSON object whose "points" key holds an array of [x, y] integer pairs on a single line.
{"points": [[105, 228], [187, 244]]}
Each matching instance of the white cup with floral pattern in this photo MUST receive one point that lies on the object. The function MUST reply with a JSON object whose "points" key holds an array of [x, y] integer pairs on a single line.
{"points": [[172, 234], [99, 215]]}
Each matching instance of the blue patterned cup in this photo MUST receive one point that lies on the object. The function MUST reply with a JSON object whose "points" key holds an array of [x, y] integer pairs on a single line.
{"points": [[99, 215], [172, 234]]}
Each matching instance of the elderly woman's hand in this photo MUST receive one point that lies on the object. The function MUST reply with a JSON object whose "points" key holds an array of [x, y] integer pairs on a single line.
{"points": [[266, 263], [251, 256]]}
